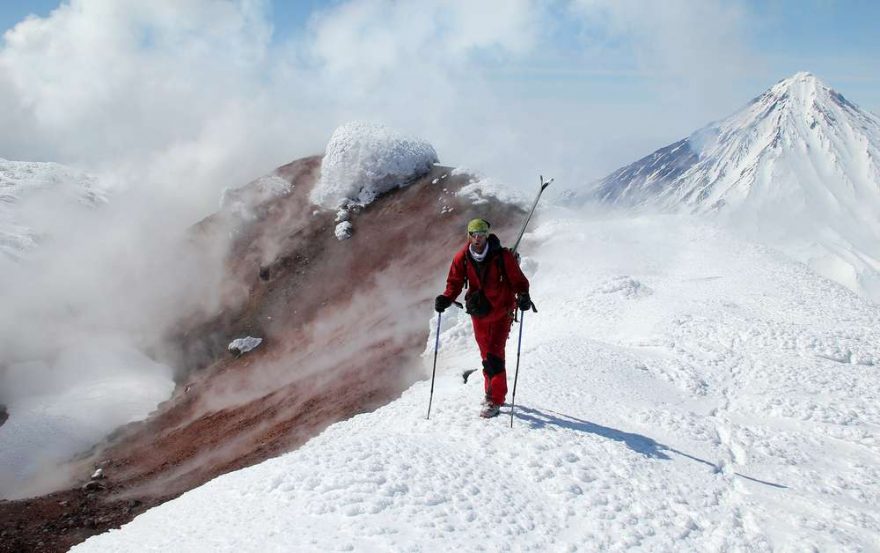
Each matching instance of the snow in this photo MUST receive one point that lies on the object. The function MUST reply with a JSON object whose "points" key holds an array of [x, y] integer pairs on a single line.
{"points": [[799, 167], [26, 181], [59, 410], [344, 230], [481, 188], [681, 389], [364, 160], [242, 201], [244, 345]]}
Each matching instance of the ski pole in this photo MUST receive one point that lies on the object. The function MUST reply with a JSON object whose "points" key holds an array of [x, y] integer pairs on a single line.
{"points": [[434, 371], [516, 374]]}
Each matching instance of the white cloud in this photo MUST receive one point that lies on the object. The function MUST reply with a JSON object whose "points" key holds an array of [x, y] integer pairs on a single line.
{"points": [[194, 96], [107, 83], [175, 100], [179, 100], [696, 49]]}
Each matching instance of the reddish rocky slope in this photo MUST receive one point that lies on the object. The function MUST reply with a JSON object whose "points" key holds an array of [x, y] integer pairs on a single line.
{"points": [[343, 324]]}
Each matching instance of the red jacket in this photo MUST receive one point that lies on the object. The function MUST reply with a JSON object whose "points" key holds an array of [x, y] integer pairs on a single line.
{"points": [[500, 289]]}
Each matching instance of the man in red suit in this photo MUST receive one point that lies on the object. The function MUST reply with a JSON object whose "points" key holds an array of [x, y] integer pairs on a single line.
{"points": [[496, 287]]}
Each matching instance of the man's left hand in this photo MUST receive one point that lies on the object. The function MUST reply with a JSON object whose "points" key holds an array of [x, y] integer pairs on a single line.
{"points": [[524, 302]]}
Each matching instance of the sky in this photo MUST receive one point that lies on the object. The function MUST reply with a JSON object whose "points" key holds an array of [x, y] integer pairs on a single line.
{"points": [[213, 93]]}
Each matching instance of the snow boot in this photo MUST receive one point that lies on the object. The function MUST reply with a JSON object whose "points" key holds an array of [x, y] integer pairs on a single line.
{"points": [[490, 410]]}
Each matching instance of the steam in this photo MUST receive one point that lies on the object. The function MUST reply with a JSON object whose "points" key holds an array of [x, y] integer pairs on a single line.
{"points": [[191, 99], [171, 103]]}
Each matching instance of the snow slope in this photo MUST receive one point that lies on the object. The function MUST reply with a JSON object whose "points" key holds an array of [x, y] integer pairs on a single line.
{"points": [[24, 181], [680, 390], [85, 385], [63, 407], [798, 167]]}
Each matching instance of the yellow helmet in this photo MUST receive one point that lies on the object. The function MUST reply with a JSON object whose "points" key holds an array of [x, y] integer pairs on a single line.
{"points": [[478, 225]]}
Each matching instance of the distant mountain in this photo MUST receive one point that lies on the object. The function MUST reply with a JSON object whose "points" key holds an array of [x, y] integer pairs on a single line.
{"points": [[799, 163], [800, 141], [21, 181]]}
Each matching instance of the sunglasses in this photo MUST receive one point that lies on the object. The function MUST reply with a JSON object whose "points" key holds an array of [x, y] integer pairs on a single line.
{"points": [[479, 233]]}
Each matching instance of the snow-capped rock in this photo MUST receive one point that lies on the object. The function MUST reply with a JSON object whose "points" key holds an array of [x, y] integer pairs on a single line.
{"points": [[244, 345], [344, 230], [364, 160]]}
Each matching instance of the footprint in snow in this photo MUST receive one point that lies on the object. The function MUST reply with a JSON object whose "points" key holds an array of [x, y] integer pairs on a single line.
{"points": [[625, 286]]}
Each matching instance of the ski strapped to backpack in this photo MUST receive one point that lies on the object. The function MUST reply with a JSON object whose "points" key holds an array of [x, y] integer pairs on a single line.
{"points": [[522, 231]]}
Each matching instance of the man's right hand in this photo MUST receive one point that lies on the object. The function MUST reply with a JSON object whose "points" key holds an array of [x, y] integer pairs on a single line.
{"points": [[441, 303]]}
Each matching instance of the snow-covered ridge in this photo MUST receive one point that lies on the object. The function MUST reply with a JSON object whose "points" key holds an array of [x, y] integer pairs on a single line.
{"points": [[680, 390], [21, 181], [364, 160]]}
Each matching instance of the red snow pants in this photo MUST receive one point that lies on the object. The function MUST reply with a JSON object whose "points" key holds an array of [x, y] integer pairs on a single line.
{"points": [[491, 336]]}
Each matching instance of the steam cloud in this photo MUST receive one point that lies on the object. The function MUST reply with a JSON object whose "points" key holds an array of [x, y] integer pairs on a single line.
{"points": [[170, 102]]}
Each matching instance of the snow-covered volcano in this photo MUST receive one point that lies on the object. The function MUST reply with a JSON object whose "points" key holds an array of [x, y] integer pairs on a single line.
{"points": [[799, 165], [800, 143]]}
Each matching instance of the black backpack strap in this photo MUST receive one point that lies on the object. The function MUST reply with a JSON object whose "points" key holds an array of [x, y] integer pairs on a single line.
{"points": [[502, 271], [466, 254]]}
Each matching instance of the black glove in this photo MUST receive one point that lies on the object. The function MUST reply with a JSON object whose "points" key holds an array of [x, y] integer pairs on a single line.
{"points": [[524, 302], [441, 303]]}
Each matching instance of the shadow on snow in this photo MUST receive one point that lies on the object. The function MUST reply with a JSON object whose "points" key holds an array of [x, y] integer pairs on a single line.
{"points": [[636, 442]]}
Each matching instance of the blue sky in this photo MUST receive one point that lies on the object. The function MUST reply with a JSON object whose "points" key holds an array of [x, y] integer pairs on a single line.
{"points": [[836, 40], [579, 87]]}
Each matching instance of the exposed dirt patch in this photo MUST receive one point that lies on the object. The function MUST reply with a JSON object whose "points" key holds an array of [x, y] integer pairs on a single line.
{"points": [[343, 324]]}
